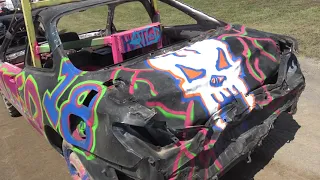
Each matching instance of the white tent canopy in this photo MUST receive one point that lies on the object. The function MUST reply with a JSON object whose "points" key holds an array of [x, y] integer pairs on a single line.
{"points": [[7, 4]]}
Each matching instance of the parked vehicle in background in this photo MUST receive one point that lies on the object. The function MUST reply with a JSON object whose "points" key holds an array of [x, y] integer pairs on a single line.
{"points": [[147, 101], [6, 7], [7, 10]]}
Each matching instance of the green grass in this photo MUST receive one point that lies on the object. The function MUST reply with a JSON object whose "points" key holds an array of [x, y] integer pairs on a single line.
{"points": [[297, 18], [80, 22]]}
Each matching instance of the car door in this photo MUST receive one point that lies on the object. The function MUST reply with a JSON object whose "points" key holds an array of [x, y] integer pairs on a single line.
{"points": [[12, 63], [9, 90], [19, 80], [32, 84]]}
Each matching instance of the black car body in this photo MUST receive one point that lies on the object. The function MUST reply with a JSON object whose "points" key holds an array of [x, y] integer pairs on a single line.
{"points": [[188, 110]]}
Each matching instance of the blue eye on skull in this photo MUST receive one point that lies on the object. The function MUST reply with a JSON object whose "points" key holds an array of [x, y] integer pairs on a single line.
{"points": [[194, 74], [217, 81]]}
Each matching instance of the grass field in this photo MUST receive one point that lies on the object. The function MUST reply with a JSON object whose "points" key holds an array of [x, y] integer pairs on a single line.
{"points": [[297, 18]]}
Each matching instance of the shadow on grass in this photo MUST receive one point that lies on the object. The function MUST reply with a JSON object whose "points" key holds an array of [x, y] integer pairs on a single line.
{"points": [[285, 128]]}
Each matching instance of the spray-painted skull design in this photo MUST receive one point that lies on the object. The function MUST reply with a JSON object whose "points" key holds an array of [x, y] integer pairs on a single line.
{"points": [[206, 71]]}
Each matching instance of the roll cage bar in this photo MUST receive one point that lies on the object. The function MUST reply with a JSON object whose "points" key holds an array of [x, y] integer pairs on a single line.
{"points": [[27, 8]]}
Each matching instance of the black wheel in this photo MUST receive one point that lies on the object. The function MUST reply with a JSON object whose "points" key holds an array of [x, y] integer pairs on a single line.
{"points": [[75, 166], [12, 110], [292, 110]]}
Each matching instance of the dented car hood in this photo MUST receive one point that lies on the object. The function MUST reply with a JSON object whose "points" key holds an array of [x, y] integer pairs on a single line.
{"points": [[187, 86]]}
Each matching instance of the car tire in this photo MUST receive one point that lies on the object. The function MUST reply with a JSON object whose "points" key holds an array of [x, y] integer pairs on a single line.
{"points": [[75, 166], [11, 109]]}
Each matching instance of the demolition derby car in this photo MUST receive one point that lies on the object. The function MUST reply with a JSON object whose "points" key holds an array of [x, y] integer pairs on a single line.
{"points": [[152, 102]]}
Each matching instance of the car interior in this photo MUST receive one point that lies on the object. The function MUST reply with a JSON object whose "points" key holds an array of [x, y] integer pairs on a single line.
{"points": [[91, 53], [92, 58]]}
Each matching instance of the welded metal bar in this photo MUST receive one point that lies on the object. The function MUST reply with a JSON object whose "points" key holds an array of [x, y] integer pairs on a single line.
{"points": [[47, 3], [27, 14]]}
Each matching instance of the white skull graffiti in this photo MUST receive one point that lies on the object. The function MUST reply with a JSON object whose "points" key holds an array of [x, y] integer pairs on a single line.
{"points": [[206, 69]]}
